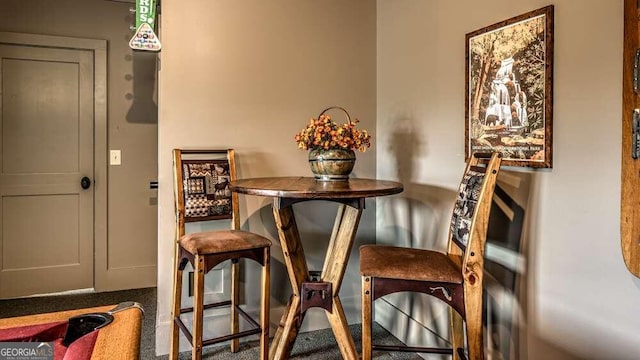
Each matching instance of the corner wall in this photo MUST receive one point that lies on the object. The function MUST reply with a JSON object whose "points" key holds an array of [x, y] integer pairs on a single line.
{"points": [[582, 300], [249, 75]]}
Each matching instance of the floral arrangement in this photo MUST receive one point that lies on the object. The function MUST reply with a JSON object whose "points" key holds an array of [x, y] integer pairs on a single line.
{"points": [[324, 134]]}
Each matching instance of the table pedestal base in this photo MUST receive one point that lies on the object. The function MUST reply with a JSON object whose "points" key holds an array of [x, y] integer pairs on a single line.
{"points": [[292, 320], [324, 292]]}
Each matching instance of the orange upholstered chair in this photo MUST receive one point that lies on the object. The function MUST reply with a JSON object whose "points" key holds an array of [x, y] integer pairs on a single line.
{"points": [[455, 277], [202, 194]]}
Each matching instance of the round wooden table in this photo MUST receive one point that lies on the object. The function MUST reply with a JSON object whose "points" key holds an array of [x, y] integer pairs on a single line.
{"points": [[313, 291]]}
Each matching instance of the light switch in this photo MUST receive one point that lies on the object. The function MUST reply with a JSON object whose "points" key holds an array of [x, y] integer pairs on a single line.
{"points": [[115, 158]]}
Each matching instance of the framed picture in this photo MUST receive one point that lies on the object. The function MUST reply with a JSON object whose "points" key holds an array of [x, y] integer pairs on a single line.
{"points": [[509, 89]]}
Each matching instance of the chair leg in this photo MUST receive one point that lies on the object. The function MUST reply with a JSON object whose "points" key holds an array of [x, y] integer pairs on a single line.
{"points": [[457, 333], [198, 307], [473, 318], [235, 300], [264, 306], [175, 311], [367, 321]]}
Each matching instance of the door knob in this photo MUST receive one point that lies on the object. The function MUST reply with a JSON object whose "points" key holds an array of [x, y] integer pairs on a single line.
{"points": [[85, 183]]}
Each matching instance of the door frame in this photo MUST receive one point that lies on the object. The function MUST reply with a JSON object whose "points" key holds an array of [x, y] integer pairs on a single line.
{"points": [[99, 49]]}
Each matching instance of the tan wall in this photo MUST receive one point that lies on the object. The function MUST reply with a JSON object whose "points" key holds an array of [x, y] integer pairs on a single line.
{"points": [[132, 209], [582, 301], [248, 75]]}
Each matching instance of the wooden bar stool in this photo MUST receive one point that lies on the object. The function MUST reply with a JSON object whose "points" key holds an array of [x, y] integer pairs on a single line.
{"points": [[201, 193], [455, 277]]}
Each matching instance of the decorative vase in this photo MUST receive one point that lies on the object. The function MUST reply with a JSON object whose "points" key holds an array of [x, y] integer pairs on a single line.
{"points": [[332, 165]]}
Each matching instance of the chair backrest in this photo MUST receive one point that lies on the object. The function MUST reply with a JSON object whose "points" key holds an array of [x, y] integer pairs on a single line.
{"points": [[468, 228], [201, 187]]}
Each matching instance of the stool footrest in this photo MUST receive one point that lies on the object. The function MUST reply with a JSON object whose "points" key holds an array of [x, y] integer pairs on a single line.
{"points": [[446, 351], [230, 337], [207, 306], [255, 327]]}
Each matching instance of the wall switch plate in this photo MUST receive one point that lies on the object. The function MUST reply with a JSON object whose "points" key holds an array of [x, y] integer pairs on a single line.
{"points": [[115, 157]]}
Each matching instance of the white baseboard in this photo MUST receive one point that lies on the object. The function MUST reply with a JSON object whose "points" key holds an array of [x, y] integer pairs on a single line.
{"points": [[68, 292]]}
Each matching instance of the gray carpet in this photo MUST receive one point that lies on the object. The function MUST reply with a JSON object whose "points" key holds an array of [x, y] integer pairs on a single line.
{"points": [[317, 345], [311, 345]]}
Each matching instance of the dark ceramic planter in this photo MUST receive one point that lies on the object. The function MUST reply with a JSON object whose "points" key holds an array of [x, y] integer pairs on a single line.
{"points": [[330, 165]]}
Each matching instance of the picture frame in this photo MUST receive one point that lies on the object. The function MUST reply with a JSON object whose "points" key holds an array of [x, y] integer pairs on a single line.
{"points": [[509, 89]]}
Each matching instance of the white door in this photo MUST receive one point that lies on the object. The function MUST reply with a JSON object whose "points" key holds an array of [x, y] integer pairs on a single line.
{"points": [[46, 148]]}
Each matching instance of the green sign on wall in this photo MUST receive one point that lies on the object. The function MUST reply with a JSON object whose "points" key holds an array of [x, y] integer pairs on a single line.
{"points": [[145, 12], [145, 38]]}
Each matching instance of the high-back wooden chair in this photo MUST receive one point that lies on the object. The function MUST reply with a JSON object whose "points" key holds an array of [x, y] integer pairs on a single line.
{"points": [[202, 193], [454, 277]]}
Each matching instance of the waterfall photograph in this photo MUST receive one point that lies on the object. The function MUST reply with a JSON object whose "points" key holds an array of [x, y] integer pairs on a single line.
{"points": [[509, 89]]}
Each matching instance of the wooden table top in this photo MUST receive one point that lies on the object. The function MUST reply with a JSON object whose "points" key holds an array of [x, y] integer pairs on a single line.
{"points": [[310, 188]]}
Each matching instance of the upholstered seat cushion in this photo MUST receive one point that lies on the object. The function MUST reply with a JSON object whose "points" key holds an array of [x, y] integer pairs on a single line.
{"points": [[220, 241], [407, 263]]}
